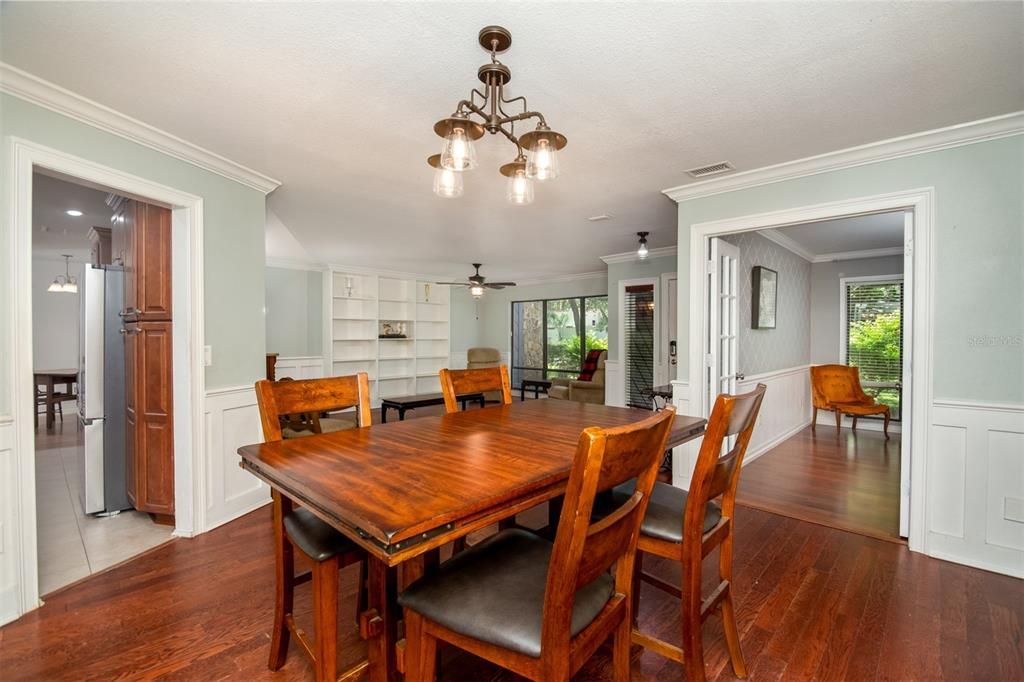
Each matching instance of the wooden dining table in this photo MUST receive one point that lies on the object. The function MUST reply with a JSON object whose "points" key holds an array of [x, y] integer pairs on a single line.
{"points": [[51, 378], [402, 490]]}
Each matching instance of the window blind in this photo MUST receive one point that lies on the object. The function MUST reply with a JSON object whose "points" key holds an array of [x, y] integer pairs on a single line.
{"points": [[638, 327], [874, 336]]}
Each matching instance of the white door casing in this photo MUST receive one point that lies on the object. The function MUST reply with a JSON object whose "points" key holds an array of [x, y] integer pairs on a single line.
{"points": [[723, 331], [667, 358]]}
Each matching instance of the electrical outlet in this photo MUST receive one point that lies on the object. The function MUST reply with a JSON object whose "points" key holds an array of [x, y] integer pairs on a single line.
{"points": [[207, 356]]}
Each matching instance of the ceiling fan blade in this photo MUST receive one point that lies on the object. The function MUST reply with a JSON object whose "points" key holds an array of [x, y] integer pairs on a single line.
{"points": [[454, 284], [500, 285]]}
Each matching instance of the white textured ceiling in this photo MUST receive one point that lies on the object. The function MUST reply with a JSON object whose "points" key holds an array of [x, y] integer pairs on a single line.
{"points": [[337, 100], [53, 230], [861, 233]]}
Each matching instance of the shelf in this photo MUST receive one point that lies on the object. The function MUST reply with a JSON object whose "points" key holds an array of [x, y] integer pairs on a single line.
{"points": [[354, 360], [431, 357], [355, 338], [395, 376], [384, 338], [355, 298], [356, 319], [395, 300]]}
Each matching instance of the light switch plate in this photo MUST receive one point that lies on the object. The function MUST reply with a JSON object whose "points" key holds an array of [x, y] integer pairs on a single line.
{"points": [[207, 356]]}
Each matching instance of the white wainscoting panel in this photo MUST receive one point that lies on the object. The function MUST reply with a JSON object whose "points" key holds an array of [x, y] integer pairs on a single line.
{"points": [[300, 368], [975, 496], [785, 410], [614, 384], [10, 559], [232, 420], [684, 457]]}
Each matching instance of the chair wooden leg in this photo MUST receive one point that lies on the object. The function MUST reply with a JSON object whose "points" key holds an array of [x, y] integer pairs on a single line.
{"points": [[420, 650], [693, 644], [325, 618], [284, 559], [620, 649], [638, 570], [364, 591], [839, 421], [732, 635], [885, 426], [814, 420], [853, 426]]}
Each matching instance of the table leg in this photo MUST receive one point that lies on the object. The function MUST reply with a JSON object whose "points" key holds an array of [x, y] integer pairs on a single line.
{"points": [[51, 417], [384, 604], [522, 392], [482, 401], [383, 414], [401, 414]]}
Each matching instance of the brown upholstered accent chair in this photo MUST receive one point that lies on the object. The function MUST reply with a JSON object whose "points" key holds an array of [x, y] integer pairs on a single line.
{"points": [[297, 529], [537, 608], [480, 358], [581, 389], [837, 388], [685, 526]]}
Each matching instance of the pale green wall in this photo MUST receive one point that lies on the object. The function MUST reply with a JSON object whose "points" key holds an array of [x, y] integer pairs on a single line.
{"points": [[638, 269], [978, 276], [233, 246], [493, 328], [294, 310]]}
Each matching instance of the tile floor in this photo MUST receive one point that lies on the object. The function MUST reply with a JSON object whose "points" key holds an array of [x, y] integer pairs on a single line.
{"points": [[73, 545]]}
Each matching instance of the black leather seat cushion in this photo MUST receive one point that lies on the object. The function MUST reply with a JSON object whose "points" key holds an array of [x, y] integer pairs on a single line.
{"points": [[494, 592], [314, 537], [664, 519]]}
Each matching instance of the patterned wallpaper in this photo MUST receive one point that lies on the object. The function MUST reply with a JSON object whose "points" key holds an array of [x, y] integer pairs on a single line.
{"points": [[789, 344]]}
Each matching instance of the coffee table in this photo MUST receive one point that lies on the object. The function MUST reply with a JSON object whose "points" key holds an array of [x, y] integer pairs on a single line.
{"points": [[537, 385], [411, 402]]}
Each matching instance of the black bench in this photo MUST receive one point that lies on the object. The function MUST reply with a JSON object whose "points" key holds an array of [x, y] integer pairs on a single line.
{"points": [[411, 402]]}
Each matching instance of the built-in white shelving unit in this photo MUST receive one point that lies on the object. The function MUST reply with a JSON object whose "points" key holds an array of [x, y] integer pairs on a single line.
{"points": [[366, 308]]}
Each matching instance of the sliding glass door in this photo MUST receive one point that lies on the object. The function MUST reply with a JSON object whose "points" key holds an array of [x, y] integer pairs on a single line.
{"points": [[551, 337]]}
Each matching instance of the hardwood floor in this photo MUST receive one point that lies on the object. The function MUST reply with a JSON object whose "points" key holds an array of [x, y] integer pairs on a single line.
{"points": [[851, 481], [811, 602]]}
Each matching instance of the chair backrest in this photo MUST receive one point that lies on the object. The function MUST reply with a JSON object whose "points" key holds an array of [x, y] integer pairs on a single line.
{"points": [[456, 382], [482, 357], [717, 475], [311, 396], [835, 384], [584, 549], [593, 366]]}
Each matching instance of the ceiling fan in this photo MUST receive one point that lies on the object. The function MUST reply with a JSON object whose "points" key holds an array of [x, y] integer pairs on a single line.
{"points": [[477, 283]]}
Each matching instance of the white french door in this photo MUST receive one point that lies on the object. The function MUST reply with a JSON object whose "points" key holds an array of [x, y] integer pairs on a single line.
{"points": [[723, 332]]}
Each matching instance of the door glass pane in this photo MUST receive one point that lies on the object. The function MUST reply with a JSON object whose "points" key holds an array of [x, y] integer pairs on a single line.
{"points": [[597, 323], [527, 341], [563, 337]]}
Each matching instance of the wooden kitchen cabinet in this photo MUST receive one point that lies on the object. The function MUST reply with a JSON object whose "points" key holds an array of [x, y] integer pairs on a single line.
{"points": [[150, 423], [147, 262]]}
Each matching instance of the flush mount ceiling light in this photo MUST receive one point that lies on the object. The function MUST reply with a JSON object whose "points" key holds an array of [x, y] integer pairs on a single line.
{"points": [[642, 251], [536, 150], [64, 284], [73, 212]]}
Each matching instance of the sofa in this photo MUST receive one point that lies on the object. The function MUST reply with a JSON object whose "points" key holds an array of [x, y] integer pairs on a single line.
{"points": [[582, 389]]}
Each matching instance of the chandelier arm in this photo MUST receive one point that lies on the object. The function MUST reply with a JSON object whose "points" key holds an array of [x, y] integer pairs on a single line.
{"points": [[473, 108], [523, 116], [512, 138], [472, 97], [521, 98]]}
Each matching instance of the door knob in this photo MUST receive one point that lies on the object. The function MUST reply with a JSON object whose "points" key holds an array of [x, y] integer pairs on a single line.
{"points": [[740, 376]]}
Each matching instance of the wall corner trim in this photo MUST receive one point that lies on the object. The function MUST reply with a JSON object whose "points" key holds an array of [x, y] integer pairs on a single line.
{"points": [[907, 145], [31, 88]]}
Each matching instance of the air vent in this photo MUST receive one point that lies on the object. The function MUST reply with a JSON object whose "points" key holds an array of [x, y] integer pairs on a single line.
{"points": [[713, 169]]}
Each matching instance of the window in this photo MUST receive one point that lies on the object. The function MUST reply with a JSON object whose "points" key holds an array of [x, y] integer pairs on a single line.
{"points": [[551, 337], [872, 335]]}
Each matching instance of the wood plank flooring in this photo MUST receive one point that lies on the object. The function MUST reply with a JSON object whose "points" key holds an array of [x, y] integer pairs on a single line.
{"points": [[850, 481], [812, 602]]}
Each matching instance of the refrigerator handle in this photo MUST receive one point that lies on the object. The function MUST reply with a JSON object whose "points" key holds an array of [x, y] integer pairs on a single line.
{"points": [[129, 311], [136, 330]]}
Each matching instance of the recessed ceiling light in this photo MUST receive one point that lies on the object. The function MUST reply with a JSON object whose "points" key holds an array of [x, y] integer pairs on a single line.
{"points": [[74, 212]]}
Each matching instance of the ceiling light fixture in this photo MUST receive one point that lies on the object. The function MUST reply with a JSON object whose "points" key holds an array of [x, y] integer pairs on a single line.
{"points": [[73, 212], [536, 150], [642, 251], [64, 284]]}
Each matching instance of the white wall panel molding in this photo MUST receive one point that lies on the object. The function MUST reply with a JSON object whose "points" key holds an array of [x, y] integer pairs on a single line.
{"points": [[976, 485], [894, 148], [231, 420], [30, 88], [614, 384], [11, 551], [306, 367], [785, 410]]}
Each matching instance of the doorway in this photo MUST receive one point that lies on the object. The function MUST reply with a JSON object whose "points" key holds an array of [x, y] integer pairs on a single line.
{"points": [[186, 221], [789, 414]]}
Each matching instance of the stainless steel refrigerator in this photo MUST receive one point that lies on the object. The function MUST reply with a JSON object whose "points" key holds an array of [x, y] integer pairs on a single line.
{"points": [[101, 391]]}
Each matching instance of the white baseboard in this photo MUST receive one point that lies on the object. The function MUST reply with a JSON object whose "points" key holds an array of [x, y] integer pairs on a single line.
{"points": [[753, 454]]}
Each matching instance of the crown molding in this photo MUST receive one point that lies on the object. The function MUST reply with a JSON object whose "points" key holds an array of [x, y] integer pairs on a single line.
{"points": [[594, 274], [787, 243], [23, 85], [295, 264], [792, 246], [884, 150], [629, 256]]}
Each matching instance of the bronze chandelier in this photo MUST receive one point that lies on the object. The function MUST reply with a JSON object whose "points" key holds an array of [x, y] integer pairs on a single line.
{"points": [[460, 130]]}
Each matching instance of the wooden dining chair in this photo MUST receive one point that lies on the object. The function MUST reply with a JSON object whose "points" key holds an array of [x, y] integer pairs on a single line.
{"points": [[686, 525], [537, 608], [456, 382], [297, 529]]}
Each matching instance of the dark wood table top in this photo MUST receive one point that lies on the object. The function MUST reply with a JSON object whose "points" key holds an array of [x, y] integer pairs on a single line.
{"points": [[425, 399], [399, 489]]}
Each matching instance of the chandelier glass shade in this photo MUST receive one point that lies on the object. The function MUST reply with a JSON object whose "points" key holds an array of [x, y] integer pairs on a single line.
{"points": [[485, 111], [64, 284]]}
